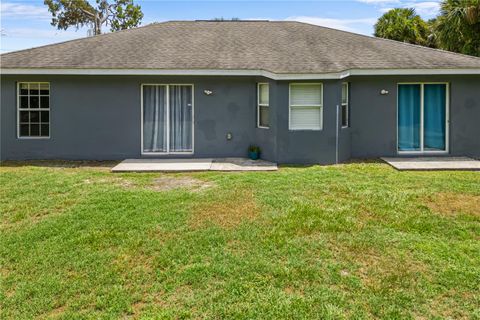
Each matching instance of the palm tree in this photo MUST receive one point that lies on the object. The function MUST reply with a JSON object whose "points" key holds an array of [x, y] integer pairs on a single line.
{"points": [[402, 24], [458, 26]]}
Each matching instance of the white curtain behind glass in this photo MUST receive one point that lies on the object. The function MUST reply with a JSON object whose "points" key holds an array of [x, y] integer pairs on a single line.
{"points": [[180, 118], [154, 119]]}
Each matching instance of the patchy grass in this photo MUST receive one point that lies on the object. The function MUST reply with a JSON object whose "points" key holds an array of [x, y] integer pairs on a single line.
{"points": [[170, 182], [451, 203], [359, 240], [229, 211]]}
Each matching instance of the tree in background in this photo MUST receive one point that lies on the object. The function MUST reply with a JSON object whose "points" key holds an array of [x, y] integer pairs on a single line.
{"points": [[458, 26], [456, 29], [119, 15], [402, 24], [432, 39]]}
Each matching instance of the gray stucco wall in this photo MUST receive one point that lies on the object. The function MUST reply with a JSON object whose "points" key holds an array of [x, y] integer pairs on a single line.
{"points": [[374, 116], [308, 146], [99, 117], [94, 117]]}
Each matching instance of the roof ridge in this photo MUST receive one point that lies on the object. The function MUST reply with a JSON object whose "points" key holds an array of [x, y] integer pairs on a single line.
{"points": [[389, 40], [83, 38]]}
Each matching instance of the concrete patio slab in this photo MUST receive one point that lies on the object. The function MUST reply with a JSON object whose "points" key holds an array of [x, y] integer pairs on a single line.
{"points": [[241, 164], [152, 165], [433, 163], [178, 165]]}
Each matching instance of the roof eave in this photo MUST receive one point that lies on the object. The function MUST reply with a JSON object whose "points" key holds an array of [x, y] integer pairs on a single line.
{"points": [[240, 72]]}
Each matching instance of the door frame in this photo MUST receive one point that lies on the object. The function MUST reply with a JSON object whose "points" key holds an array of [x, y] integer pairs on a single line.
{"points": [[167, 86], [422, 102]]}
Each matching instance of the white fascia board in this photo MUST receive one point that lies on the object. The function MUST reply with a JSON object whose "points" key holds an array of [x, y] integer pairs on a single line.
{"points": [[306, 76], [409, 72], [173, 72], [194, 72], [256, 73]]}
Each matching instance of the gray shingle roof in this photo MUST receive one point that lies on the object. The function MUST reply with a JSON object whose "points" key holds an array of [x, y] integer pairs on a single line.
{"points": [[278, 47]]}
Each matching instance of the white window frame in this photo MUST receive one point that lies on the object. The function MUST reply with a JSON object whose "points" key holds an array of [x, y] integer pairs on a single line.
{"points": [[167, 86], [346, 104], [290, 106], [422, 102], [33, 109], [263, 105]]}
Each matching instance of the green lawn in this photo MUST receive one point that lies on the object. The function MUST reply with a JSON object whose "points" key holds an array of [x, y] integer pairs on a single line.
{"points": [[357, 240]]}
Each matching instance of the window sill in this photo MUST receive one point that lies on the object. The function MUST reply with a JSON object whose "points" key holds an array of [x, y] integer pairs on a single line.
{"points": [[259, 127], [176, 153], [33, 138], [419, 152]]}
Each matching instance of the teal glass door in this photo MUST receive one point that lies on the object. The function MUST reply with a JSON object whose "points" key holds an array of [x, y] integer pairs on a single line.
{"points": [[409, 114], [422, 117], [434, 119]]}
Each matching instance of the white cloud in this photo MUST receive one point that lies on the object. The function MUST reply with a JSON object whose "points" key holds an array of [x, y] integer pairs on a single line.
{"points": [[26, 37], [423, 8], [341, 24], [428, 8], [24, 11], [52, 33], [384, 10]]}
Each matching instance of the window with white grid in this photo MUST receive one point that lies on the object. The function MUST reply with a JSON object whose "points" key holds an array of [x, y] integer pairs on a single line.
{"points": [[33, 105]]}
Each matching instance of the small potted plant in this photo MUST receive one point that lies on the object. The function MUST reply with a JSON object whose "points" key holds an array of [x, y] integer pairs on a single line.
{"points": [[254, 152]]}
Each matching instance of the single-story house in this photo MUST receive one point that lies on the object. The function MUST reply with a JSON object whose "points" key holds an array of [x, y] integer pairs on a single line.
{"points": [[302, 93]]}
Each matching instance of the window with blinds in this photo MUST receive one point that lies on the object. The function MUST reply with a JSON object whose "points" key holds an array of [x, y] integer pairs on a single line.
{"points": [[306, 106], [263, 106]]}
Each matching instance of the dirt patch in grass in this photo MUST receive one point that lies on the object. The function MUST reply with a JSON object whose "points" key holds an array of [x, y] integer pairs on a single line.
{"points": [[121, 182], [167, 182], [162, 183], [450, 203], [226, 212]]}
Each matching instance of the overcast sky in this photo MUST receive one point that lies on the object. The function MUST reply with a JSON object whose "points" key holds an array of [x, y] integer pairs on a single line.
{"points": [[26, 24]]}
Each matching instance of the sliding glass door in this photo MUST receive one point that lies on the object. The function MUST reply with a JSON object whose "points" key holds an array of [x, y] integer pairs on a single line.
{"points": [[422, 117], [409, 115], [434, 118], [167, 115]]}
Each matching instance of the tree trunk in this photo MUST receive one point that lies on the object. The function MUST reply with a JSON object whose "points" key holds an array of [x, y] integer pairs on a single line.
{"points": [[97, 24]]}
